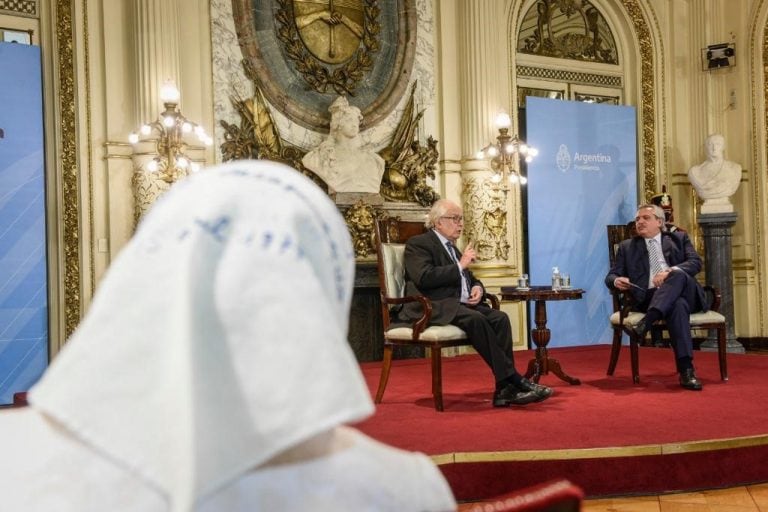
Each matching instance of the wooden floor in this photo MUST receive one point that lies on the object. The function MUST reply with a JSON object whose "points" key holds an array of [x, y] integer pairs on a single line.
{"points": [[751, 498]]}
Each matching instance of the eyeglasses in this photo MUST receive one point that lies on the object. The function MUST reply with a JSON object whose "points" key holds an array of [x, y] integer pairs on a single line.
{"points": [[454, 218]]}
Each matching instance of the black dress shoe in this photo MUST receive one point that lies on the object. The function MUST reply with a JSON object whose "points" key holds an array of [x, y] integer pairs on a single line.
{"points": [[640, 329], [689, 380], [510, 395], [541, 392]]}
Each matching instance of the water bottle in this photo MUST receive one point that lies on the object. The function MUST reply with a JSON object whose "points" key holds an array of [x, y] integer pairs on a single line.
{"points": [[557, 282]]}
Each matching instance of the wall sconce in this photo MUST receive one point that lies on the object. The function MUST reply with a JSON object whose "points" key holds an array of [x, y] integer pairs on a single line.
{"points": [[171, 162], [505, 150]]}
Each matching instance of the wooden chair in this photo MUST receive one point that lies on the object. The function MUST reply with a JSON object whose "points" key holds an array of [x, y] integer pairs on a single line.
{"points": [[554, 496], [624, 319], [391, 235]]}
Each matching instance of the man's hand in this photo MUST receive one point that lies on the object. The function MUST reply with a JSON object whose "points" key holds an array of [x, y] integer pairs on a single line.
{"points": [[622, 283], [475, 295], [467, 257], [660, 277]]}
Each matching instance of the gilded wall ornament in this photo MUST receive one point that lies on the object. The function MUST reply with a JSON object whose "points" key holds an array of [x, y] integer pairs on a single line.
{"points": [[256, 136], [305, 53], [360, 219], [69, 166], [409, 164]]}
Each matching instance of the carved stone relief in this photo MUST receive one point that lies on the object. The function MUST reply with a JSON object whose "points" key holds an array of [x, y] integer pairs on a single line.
{"points": [[567, 29], [307, 53], [485, 218]]}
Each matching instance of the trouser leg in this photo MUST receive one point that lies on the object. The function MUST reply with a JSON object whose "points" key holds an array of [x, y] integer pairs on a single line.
{"points": [[675, 299], [490, 332]]}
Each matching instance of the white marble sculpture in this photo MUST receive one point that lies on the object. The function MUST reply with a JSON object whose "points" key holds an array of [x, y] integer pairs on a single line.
{"points": [[715, 179], [340, 160]]}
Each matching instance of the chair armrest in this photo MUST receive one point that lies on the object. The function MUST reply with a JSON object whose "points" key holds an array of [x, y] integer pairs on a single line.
{"points": [[492, 299], [622, 302], [420, 323]]}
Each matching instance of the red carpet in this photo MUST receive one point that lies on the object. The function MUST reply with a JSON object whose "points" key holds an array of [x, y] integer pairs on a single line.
{"points": [[606, 435]]}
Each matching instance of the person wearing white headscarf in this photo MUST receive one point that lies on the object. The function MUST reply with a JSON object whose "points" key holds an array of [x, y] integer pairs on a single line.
{"points": [[213, 372]]}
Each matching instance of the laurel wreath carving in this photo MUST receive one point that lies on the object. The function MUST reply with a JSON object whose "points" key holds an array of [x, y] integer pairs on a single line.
{"points": [[343, 79]]}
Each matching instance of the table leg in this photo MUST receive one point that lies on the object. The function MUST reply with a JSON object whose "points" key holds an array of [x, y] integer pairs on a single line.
{"points": [[542, 364]]}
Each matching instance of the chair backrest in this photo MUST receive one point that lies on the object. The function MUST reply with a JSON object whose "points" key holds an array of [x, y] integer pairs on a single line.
{"points": [[393, 269], [616, 234], [391, 235]]}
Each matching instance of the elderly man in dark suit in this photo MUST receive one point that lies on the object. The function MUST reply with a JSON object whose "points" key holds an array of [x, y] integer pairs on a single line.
{"points": [[658, 269], [435, 268]]}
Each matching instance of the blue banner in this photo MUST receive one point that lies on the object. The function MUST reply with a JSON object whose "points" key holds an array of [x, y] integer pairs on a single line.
{"points": [[584, 178], [23, 271]]}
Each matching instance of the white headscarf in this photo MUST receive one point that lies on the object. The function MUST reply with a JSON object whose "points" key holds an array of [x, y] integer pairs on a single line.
{"points": [[218, 337]]}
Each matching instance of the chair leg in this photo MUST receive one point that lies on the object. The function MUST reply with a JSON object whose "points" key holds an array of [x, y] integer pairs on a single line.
{"points": [[634, 356], [721, 349], [437, 377], [386, 365], [615, 349]]}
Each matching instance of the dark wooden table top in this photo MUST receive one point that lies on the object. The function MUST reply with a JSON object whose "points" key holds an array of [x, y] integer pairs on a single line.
{"points": [[514, 293]]}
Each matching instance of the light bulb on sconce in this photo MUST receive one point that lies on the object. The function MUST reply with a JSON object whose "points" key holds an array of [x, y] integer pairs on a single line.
{"points": [[502, 120], [169, 93], [505, 150], [171, 128]]}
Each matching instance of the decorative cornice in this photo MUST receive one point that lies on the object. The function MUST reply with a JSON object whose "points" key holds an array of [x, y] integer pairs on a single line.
{"points": [[26, 8], [569, 76]]}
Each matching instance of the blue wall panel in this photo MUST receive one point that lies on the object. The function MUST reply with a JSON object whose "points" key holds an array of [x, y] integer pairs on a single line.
{"points": [[23, 271], [584, 178]]}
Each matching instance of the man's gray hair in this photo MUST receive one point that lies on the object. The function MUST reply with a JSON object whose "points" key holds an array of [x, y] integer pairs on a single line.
{"points": [[657, 211], [439, 208]]}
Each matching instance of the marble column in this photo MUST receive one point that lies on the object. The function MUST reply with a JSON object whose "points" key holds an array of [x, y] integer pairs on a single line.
{"points": [[157, 53], [718, 261], [157, 61], [485, 91], [483, 54]]}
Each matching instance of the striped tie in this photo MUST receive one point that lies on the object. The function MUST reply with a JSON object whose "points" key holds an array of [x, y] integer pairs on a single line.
{"points": [[656, 260], [464, 273]]}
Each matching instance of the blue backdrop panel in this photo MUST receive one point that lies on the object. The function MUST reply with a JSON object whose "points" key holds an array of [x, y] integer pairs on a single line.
{"points": [[583, 179], [23, 279]]}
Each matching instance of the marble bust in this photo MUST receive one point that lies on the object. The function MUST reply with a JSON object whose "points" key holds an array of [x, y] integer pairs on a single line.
{"points": [[715, 179], [340, 160]]}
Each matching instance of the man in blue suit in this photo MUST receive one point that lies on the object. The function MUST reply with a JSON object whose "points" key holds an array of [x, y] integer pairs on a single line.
{"points": [[435, 268], [658, 269]]}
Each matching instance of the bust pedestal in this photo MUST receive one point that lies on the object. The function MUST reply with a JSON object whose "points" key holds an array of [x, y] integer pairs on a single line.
{"points": [[718, 264]]}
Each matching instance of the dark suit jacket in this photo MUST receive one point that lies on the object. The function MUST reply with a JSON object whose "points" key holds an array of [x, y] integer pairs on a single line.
{"points": [[429, 271], [632, 262]]}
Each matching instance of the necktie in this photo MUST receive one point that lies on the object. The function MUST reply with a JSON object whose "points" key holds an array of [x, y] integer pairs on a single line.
{"points": [[656, 260], [464, 273]]}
